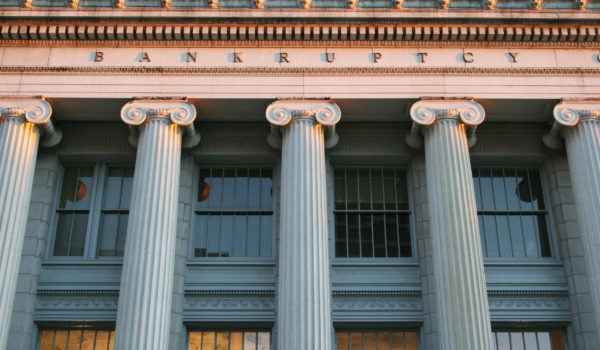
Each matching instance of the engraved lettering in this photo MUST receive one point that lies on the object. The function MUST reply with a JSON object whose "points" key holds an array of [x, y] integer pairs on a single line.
{"points": [[191, 56], [145, 57], [236, 57], [283, 57], [99, 57], [329, 56], [514, 56], [376, 56], [468, 57], [421, 56]]}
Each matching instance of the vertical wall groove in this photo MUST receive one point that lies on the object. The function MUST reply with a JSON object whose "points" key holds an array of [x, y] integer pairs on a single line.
{"points": [[458, 260], [143, 318], [18, 151], [583, 152], [304, 302]]}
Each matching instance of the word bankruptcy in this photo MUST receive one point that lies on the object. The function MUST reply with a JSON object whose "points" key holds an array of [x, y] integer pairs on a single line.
{"points": [[286, 57]]}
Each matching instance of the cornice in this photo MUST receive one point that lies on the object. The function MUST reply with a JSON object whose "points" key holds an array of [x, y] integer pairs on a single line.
{"points": [[305, 71], [120, 34]]}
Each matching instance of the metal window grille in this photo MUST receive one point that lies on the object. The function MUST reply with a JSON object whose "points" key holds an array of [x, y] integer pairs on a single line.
{"points": [[73, 211], [530, 340], [234, 212], [76, 338], [229, 340], [371, 210], [115, 211], [512, 214], [385, 340]]}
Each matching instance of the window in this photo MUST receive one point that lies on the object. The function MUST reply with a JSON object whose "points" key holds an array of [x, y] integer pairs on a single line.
{"points": [[529, 340], [371, 213], [77, 337], [230, 340], [93, 211], [381, 340], [234, 213], [512, 213]]}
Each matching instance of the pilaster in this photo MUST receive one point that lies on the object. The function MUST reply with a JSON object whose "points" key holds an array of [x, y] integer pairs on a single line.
{"points": [[304, 297], [145, 299], [19, 138], [579, 123], [461, 298]]}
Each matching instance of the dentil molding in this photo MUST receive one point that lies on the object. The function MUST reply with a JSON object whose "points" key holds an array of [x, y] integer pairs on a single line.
{"points": [[34, 111], [179, 112]]}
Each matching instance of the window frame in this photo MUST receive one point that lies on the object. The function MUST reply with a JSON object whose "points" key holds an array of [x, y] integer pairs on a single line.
{"points": [[70, 325], [259, 327], [92, 234], [365, 261], [521, 327], [210, 260], [554, 257], [379, 328]]}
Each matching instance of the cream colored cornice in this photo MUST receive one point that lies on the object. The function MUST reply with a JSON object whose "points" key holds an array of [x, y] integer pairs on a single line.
{"points": [[306, 34]]}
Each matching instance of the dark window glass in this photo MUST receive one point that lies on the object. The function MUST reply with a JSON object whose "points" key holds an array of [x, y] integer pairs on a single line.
{"points": [[234, 211], [511, 211], [371, 213]]}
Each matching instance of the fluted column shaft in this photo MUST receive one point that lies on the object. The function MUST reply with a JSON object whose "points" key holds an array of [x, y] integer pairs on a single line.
{"points": [[462, 304], [19, 139], [304, 297], [144, 312], [582, 139]]}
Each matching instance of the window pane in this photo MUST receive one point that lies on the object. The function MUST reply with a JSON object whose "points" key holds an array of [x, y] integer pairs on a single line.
{"points": [[356, 341], [88, 340], [370, 340], [264, 341], [379, 235], [343, 341], [389, 185], [412, 343], [341, 250], [216, 189], [47, 339], [200, 236], [250, 341], [74, 339], [402, 189], [397, 340], [236, 341], [364, 184], [60, 339], [226, 235], [366, 235], [404, 232], [241, 189], [265, 235], [353, 236], [516, 341], [383, 340], [195, 341], [222, 340], [377, 189], [208, 340], [254, 190], [558, 340], [109, 227], [253, 236], [352, 189], [503, 341], [63, 234], [391, 229], [339, 189], [228, 189], [530, 341], [266, 198], [213, 242], [102, 340]]}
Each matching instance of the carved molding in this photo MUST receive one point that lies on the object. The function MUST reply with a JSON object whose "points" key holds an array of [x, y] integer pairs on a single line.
{"points": [[427, 111], [228, 304], [77, 303], [528, 304], [177, 34], [379, 304], [73, 292], [568, 114], [370, 293], [179, 112], [528, 293], [282, 112], [34, 111]]}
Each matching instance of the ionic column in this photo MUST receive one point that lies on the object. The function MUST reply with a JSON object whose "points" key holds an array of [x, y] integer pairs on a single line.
{"points": [[19, 137], [579, 123], [462, 304], [304, 297], [144, 313]]}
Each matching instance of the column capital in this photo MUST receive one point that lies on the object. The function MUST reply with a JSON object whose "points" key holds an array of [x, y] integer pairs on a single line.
{"points": [[567, 114], [282, 112], [177, 111], [426, 112], [35, 111]]}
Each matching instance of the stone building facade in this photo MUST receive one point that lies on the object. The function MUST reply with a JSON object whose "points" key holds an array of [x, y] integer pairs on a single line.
{"points": [[328, 174]]}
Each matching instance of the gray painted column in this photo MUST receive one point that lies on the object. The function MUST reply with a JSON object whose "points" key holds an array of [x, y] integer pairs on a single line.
{"points": [[582, 139], [144, 314], [19, 138], [304, 296], [461, 295]]}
